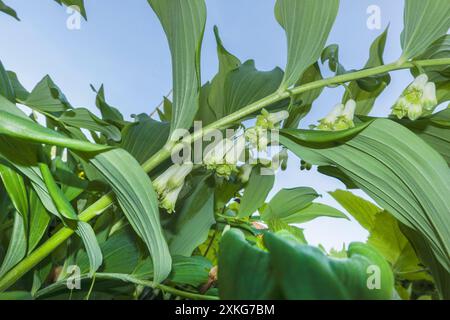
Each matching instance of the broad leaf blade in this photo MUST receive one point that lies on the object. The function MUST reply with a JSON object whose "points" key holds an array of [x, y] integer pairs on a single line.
{"points": [[135, 194], [183, 23], [307, 24], [400, 172], [256, 192], [425, 21]]}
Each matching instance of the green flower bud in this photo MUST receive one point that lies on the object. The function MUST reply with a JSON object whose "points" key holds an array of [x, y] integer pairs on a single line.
{"points": [[216, 155], [225, 170], [340, 118], [235, 152], [178, 177], [257, 136], [417, 100], [161, 182], [271, 120], [429, 100], [327, 123], [170, 199]]}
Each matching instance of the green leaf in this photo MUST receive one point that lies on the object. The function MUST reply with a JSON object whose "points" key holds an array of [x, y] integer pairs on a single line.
{"points": [[6, 89], [39, 221], [21, 94], [8, 10], [365, 99], [362, 210], [76, 4], [313, 211], [135, 195], [108, 112], [23, 128], [61, 203], [16, 295], [307, 24], [384, 234], [47, 97], [136, 137], [85, 231], [256, 192], [434, 131], [288, 202], [17, 247], [183, 23], [244, 270], [243, 86], [440, 274], [83, 118], [193, 271], [191, 226], [424, 23], [214, 105], [294, 271], [16, 189], [397, 169]]}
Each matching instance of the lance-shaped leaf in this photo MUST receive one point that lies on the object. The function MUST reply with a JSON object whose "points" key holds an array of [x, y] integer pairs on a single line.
{"points": [[290, 270], [192, 223], [296, 206], [85, 231], [6, 88], [47, 97], [83, 118], [17, 247], [16, 189], [136, 137], [397, 169], [22, 128], [256, 191], [183, 23], [66, 212], [135, 194], [39, 220], [424, 22], [307, 24], [8, 10]]}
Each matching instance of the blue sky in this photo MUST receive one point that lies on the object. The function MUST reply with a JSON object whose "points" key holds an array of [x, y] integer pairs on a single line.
{"points": [[124, 47]]}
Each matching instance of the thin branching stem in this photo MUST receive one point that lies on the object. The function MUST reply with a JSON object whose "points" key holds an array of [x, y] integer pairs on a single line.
{"points": [[105, 202]]}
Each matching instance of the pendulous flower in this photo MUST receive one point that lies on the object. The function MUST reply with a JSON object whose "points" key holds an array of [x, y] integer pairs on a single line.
{"points": [[340, 117], [417, 100]]}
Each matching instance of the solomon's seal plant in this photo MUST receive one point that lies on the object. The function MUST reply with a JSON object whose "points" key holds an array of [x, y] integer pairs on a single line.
{"points": [[150, 227]]}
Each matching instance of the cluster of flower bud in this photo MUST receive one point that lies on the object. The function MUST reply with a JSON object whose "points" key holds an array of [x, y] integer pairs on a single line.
{"points": [[340, 118], [169, 184], [417, 100]]}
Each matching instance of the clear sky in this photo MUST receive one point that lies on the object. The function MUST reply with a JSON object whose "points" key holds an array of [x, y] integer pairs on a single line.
{"points": [[123, 46]]}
